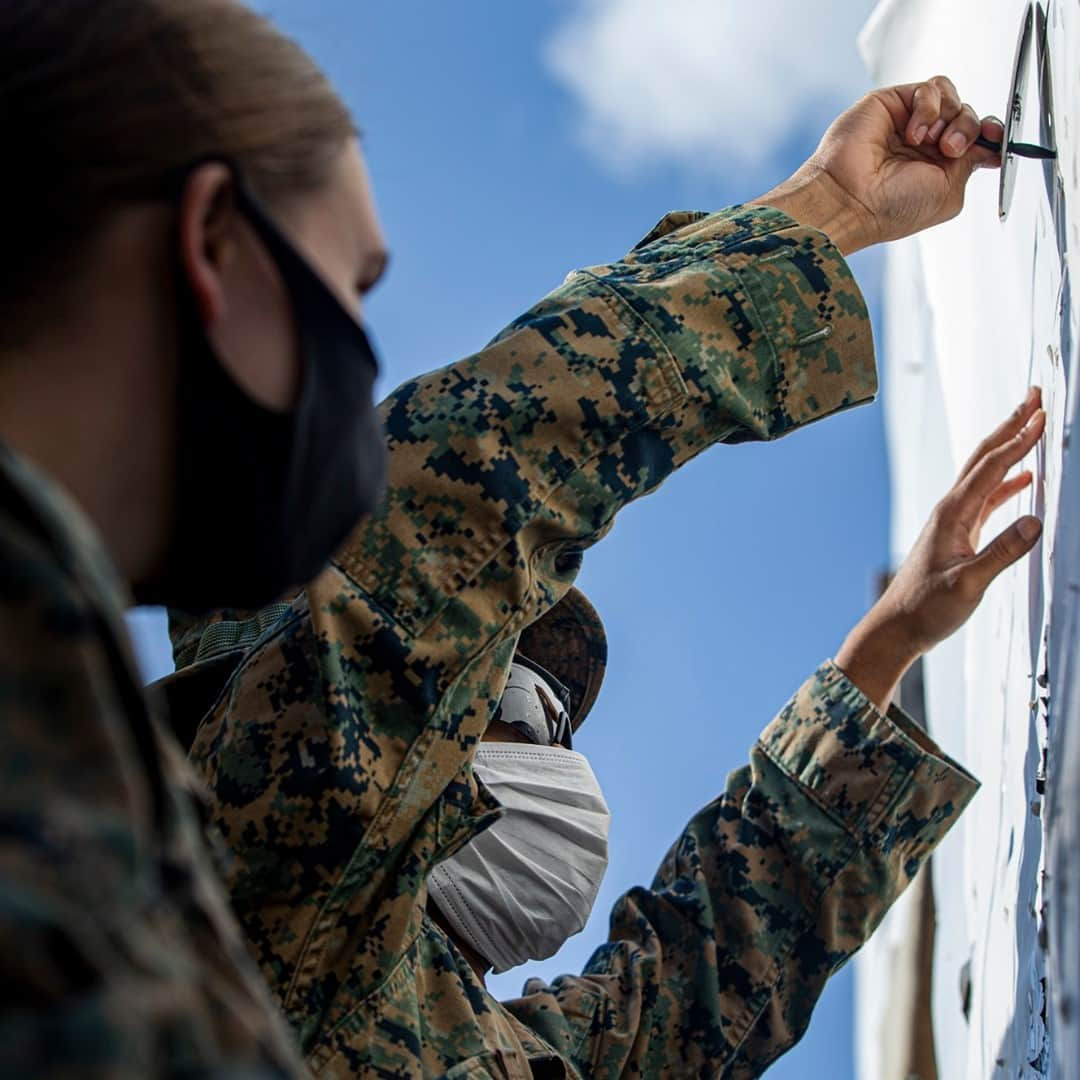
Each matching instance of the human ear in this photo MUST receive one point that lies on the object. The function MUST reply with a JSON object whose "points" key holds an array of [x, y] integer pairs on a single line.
{"points": [[207, 227], [237, 290]]}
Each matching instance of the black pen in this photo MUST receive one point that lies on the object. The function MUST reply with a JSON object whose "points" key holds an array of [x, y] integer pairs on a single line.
{"points": [[1020, 149]]}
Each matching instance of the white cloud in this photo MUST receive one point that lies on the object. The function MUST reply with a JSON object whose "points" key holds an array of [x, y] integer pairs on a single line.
{"points": [[700, 83]]}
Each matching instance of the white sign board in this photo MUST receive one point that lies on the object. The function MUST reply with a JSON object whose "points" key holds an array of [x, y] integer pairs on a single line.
{"points": [[977, 311]]}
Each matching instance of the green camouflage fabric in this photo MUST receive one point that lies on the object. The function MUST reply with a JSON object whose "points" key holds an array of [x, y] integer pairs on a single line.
{"points": [[338, 756], [119, 955]]}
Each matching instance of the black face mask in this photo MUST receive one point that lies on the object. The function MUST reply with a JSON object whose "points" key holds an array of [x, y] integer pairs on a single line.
{"points": [[264, 498]]}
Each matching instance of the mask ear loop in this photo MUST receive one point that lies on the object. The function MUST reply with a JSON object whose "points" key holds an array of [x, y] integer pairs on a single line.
{"points": [[559, 720]]}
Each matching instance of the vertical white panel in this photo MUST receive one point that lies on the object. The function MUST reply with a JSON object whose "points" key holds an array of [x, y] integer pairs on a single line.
{"points": [[975, 311]]}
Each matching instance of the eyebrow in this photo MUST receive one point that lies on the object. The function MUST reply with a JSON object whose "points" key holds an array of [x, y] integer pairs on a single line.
{"points": [[374, 269]]}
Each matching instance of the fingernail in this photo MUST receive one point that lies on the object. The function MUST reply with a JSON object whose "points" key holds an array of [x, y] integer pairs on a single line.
{"points": [[920, 133], [957, 142], [936, 130], [1029, 528]]}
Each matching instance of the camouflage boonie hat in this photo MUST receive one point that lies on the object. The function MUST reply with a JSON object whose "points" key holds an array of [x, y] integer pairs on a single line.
{"points": [[571, 643]]}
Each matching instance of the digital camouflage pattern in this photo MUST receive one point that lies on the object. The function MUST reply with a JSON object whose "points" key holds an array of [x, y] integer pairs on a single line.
{"points": [[119, 955], [338, 756]]}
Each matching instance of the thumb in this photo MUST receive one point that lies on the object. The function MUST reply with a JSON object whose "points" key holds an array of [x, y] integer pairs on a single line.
{"points": [[1005, 549], [977, 157], [981, 157], [962, 169]]}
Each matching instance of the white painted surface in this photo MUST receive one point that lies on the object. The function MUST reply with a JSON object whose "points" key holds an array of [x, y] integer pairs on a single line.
{"points": [[974, 315]]}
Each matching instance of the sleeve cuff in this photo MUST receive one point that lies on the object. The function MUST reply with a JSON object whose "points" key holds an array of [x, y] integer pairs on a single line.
{"points": [[814, 313], [869, 771], [800, 293]]}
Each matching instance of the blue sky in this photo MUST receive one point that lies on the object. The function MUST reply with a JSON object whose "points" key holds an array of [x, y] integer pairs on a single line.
{"points": [[504, 153]]}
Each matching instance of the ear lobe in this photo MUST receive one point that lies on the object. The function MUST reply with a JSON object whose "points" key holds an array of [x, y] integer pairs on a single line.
{"points": [[206, 223]]}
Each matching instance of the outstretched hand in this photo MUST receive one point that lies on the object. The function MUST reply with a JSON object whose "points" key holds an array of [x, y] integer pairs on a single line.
{"points": [[944, 578]]}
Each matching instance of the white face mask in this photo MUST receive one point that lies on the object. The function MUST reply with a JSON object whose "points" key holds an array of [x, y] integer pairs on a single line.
{"points": [[527, 883]]}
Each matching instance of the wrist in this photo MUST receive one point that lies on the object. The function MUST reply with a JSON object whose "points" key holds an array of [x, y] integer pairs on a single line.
{"points": [[812, 197], [875, 657]]}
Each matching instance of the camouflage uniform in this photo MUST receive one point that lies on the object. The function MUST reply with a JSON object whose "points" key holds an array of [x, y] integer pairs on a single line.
{"points": [[338, 755], [120, 957]]}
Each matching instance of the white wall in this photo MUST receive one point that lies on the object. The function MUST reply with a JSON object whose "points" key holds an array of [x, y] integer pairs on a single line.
{"points": [[976, 311]]}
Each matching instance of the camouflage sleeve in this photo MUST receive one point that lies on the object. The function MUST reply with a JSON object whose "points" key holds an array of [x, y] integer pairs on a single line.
{"points": [[716, 968], [506, 466], [69, 851], [98, 968]]}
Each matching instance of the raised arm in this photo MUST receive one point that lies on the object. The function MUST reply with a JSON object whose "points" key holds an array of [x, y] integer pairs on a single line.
{"points": [[715, 969], [720, 328]]}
